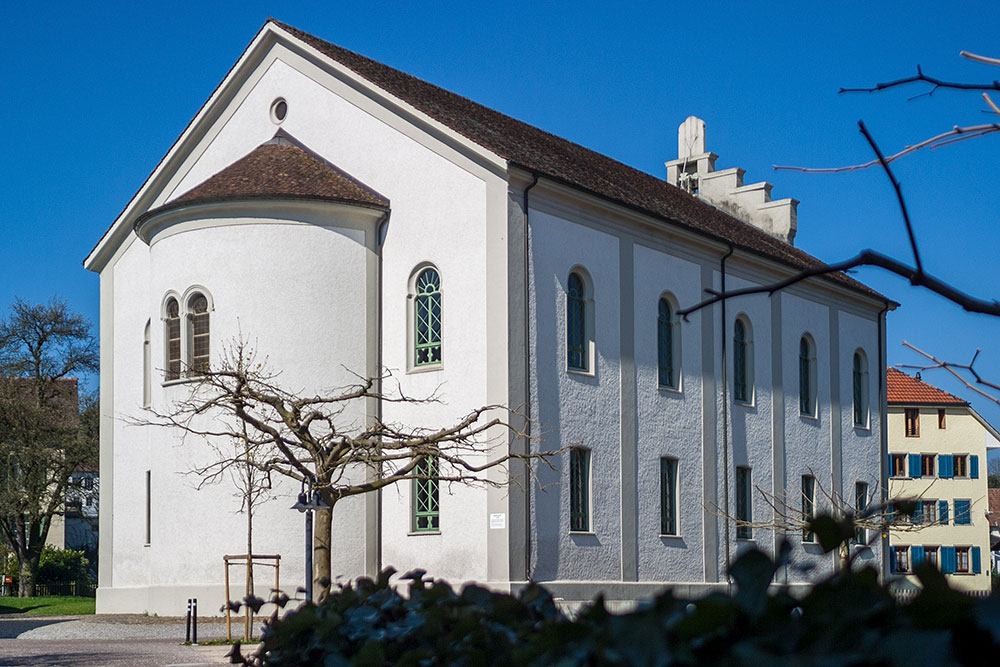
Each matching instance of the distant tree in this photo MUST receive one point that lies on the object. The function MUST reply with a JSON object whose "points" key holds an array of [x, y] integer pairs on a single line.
{"points": [[43, 439], [994, 474]]}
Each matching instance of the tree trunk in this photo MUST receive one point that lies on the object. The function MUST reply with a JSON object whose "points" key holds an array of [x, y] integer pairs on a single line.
{"points": [[26, 578], [322, 541]]}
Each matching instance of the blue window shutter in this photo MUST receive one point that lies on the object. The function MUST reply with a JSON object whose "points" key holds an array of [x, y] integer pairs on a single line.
{"points": [[918, 513], [974, 467], [918, 555], [914, 465], [946, 466], [977, 565], [947, 559], [962, 513], [892, 560], [943, 512]]}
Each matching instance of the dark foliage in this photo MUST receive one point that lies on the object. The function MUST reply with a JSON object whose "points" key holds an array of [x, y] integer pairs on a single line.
{"points": [[847, 619]]}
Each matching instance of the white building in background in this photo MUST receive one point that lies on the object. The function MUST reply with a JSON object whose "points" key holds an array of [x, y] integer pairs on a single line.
{"points": [[328, 207]]}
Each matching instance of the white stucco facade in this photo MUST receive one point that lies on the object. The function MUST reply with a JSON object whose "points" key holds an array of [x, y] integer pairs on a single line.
{"points": [[324, 289]]}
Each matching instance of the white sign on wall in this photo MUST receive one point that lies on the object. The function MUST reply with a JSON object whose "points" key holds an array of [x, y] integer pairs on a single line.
{"points": [[498, 521]]}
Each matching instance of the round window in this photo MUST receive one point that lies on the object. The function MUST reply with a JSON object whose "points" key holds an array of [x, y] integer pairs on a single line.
{"points": [[279, 109]]}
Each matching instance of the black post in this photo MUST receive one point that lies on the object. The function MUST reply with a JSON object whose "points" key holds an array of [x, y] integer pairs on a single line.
{"points": [[194, 622], [187, 631], [309, 555]]}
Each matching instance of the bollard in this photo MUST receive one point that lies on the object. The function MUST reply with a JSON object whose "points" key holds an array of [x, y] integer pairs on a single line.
{"points": [[194, 622], [187, 631]]}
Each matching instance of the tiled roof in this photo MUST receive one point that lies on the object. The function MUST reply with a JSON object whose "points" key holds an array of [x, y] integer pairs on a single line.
{"points": [[281, 170], [904, 389], [994, 506], [559, 159]]}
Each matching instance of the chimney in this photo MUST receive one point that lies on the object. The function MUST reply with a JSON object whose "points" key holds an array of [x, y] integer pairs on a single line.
{"points": [[694, 171]]}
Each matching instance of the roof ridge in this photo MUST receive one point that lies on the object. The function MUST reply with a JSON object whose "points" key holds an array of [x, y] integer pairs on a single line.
{"points": [[540, 151], [903, 388]]}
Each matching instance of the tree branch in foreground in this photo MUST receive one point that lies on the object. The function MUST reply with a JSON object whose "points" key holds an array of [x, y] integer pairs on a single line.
{"points": [[954, 369]]}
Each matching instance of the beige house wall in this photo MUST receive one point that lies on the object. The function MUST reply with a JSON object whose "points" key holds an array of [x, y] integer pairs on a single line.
{"points": [[963, 434]]}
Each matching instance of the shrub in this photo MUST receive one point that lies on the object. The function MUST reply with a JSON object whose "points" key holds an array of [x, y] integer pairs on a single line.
{"points": [[847, 619], [62, 565]]}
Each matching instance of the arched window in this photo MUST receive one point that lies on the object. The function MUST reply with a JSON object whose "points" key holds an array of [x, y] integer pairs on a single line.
{"points": [[198, 333], [807, 377], [577, 352], [742, 361], [173, 338], [860, 375], [427, 318], [667, 343]]}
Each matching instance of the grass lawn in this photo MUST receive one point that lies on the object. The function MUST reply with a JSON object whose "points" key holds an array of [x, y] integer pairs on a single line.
{"points": [[49, 605]]}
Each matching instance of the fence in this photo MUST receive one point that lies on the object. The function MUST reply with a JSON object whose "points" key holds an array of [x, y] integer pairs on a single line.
{"points": [[83, 589]]}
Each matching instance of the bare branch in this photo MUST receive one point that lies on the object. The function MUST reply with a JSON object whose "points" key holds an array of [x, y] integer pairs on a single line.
{"points": [[980, 59], [954, 369], [936, 83]]}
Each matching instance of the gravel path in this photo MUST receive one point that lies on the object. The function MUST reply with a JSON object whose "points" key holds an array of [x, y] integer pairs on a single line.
{"points": [[110, 627]]}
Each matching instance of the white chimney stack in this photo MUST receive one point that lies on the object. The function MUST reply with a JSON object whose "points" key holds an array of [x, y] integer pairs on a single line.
{"points": [[694, 171]]}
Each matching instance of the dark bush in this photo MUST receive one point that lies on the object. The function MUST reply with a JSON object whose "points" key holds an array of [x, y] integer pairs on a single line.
{"points": [[62, 566], [847, 619]]}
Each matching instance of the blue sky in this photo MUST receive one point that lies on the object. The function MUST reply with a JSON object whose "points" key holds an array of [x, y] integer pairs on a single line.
{"points": [[95, 94]]}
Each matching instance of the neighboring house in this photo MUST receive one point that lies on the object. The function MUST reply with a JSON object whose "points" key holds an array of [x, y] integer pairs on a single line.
{"points": [[347, 217], [76, 528], [937, 456], [994, 495]]}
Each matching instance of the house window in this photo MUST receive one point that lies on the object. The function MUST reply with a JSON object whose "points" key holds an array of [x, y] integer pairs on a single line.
{"points": [[807, 377], [963, 512], [744, 512], [198, 333], [667, 344], [960, 464], [426, 507], [912, 417], [808, 506], [941, 418], [927, 465], [147, 367], [427, 318], [925, 512], [931, 555], [742, 362], [860, 389], [668, 496], [860, 505], [579, 322], [579, 490], [173, 336], [900, 559], [898, 465], [149, 513], [962, 559]]}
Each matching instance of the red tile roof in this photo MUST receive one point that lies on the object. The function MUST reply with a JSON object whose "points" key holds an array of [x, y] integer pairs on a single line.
{"points": [[904, 389], [531, 148], [281, 170]]}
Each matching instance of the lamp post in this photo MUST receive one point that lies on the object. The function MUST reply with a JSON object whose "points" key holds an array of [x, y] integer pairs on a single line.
{"points": [[309, 501]]}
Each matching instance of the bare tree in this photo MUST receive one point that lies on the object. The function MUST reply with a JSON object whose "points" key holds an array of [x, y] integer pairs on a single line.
{"points": [[43, 440], [330, 441]]}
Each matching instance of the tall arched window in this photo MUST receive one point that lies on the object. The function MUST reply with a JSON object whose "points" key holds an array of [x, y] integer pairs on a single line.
{"points": [[427, 318], [807, 377], [198, 333], [742, 361], [668, 361], [860, 376], [173, 337], [576, 323]]}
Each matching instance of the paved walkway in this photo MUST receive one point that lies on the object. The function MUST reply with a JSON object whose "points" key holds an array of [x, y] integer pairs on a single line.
{"points": [[113, 640]]}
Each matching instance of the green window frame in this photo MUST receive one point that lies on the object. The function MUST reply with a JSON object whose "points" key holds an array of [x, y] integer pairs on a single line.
{"points": [[579, 490], [744, 511], [741, 369], [668, 496], [427, 319], [576, 323], [808, 506], [667, 375], [860, 376], [426, 501], [807, 377]]}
